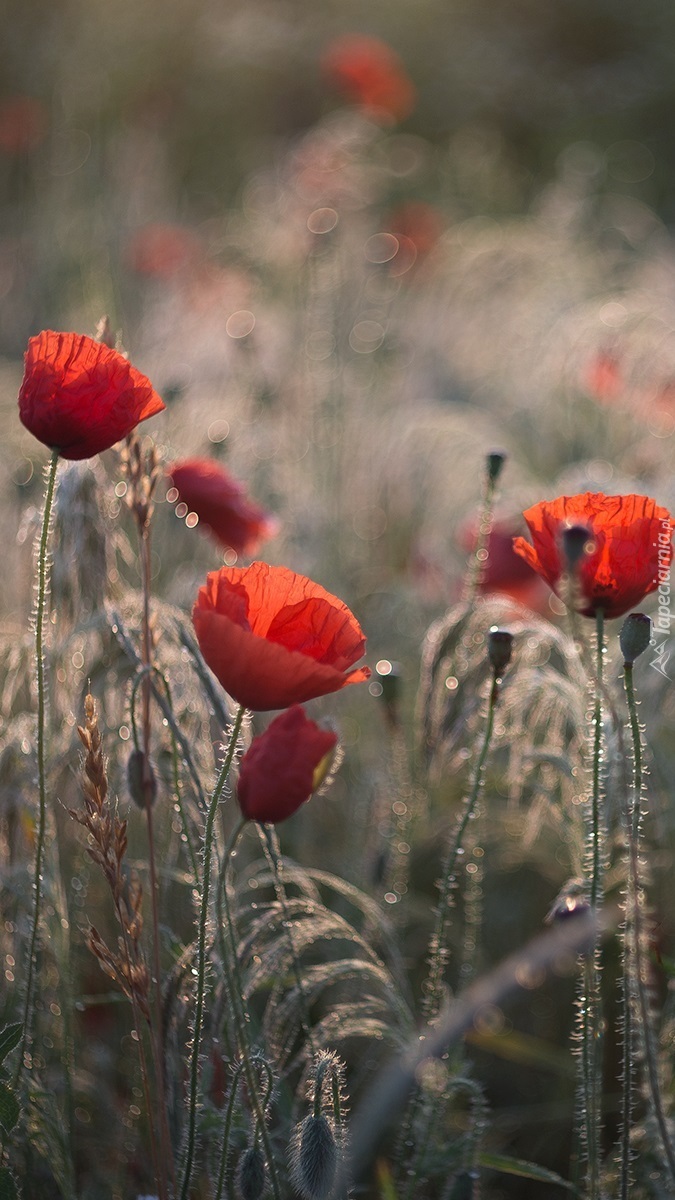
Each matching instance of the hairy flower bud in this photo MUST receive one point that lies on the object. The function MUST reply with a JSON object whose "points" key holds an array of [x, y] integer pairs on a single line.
{"points": [[251, 1174], [635, 636], [141, 779], [500, 646], [494, 462], [575, 540], [314, 1158]]}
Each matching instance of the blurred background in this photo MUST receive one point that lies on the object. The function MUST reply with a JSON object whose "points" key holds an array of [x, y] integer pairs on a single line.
{"points": [[355, 248]]}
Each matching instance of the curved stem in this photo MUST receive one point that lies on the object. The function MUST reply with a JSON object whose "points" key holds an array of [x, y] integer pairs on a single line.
{"points": [[40, 615], [201, 953], [635, 966], [236, 994], [448, 877]]}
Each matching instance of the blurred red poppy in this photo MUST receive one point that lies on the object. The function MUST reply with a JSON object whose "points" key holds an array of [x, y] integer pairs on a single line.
{"points": [[504, 572], [282, 767], [274, 638], [368, 72], [603, 377], [222, 505], [419, 223], [79, 397], [627, 555], [23, 124], [162, 250]]}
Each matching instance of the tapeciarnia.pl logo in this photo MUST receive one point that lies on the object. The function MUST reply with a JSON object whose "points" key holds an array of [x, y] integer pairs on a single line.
{"points": [[663, 615]]}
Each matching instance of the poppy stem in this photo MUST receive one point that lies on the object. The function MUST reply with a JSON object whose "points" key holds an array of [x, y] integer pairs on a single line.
{"points": [[200, 996], [636, 988], [479, 559], [272, 849], [438, 949], [43, 576], [236, 993], [591, 999]]}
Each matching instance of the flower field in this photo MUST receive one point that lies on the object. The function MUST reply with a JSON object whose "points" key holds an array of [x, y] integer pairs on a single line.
{"points": [[337, 815]]}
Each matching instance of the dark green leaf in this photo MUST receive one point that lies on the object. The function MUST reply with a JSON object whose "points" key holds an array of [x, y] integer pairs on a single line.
{"points": [[8, 1189], [525, 1170]]}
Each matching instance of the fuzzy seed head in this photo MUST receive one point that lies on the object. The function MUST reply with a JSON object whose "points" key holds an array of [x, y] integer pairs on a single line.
{"points": [[251, 1174], [315, 1157]]}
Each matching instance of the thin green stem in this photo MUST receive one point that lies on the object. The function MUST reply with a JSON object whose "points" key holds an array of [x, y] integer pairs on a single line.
{"points": [[438, 953], [635, 965], [479, 558], [591, 999], [200, 998], [272, 850], [43, 573], [236, 993]]}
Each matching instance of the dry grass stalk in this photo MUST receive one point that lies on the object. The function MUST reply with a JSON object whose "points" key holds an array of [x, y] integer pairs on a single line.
{"points": [[142, 469], [107, 847]]}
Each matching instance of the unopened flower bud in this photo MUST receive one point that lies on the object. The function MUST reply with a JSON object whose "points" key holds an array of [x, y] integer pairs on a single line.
{"points": [[575, 540], [635, 636], [251, 1174], [389, 678], [500, 645], [141, 779], [315, 1158], [494, 462]]}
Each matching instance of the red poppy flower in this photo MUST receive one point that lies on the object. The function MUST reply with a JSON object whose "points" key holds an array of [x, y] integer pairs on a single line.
{"points": [[279, 771], [371, 74], [222, 505], [505, 572], [162, 250], [79, 397], [274, 638], [419, 223], [628, 553], [23, 124]]}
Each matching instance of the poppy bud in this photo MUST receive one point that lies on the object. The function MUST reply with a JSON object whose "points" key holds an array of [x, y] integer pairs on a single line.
{"points": [[315, 1158], [284, 766], [494, 462], [575, 539], [251, 1174], [389, 678], [141, 779], [500, 645], [635, 636]]}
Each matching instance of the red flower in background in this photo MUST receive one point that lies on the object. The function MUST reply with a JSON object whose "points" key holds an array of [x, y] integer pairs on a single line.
{"points": [[603, 377], [419, 223], [222, 505], [23, 124], [505, 572], [79, 397], [274, 638], [368, 72], [628, 548], [162, 250], [281, 768]]}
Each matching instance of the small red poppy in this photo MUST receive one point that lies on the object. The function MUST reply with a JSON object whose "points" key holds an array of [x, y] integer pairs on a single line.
{"points": [[222, 505], [368, 72], [278, 772], [162, 250], [628, 552], [504, 572], [274, 638], [79, 397]]}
